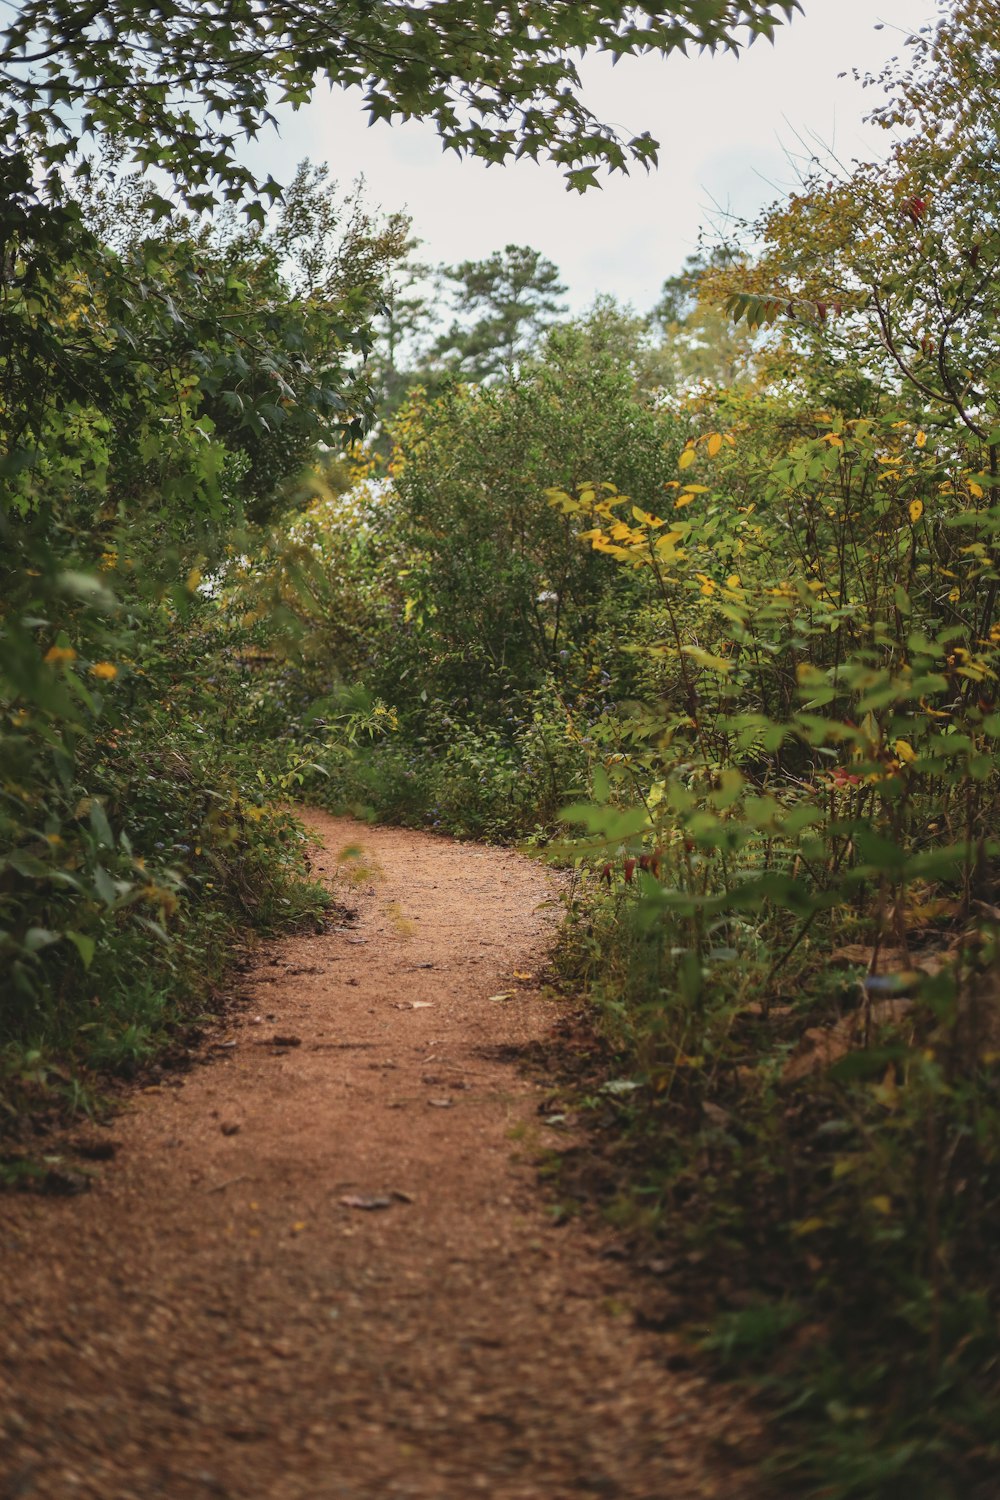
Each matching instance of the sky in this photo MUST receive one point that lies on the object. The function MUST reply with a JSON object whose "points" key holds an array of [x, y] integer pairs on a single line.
{"points": [[734, 134]]}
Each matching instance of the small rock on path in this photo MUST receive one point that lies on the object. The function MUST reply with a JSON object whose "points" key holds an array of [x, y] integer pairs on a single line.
{"points": [[314, 1270]]}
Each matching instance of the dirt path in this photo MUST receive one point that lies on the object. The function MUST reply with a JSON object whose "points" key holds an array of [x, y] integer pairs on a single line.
{"points": [[216, 1318]]}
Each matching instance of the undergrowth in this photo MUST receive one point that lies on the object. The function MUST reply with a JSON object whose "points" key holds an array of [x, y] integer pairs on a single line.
{"points": [[827, 1231], [129, 888]]}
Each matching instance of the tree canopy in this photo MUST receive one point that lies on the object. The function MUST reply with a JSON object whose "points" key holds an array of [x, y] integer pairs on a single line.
{"points": [[183, 82], [510, 297]]}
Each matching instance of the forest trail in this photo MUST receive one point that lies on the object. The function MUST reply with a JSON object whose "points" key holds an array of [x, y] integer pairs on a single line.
{"points": [[220, 1315]]}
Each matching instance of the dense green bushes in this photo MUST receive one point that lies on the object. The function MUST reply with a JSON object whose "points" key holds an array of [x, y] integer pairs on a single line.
{"points": [[159, 387]]}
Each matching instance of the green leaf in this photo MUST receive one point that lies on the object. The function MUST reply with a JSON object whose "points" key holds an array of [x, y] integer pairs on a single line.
{"points": [[105, 886], [85, 946], [37, 938], [102, 828]]}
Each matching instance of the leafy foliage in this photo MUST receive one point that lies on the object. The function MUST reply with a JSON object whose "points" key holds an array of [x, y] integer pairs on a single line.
{"points": [[160, 389], [903, 255], [179, 84]]}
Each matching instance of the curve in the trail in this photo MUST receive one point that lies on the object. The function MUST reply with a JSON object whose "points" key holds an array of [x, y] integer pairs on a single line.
{"points": [[314, 1269]]}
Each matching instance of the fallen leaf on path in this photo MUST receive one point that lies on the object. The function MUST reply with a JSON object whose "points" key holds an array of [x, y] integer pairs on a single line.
{"points": [[366, 1201], [890, 961], [219, 1187], [504, 995], [820, 1047], [441, 1103], [519, 975], [414, 1004]]}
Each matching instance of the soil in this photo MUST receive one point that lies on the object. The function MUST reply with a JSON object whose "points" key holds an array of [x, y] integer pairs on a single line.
{"points": [[322, 1265]]}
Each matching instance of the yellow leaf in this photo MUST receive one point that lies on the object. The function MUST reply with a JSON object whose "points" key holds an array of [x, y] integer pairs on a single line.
{"points": [[921, 440], [105, 670], [686, 459], [682, 500], [881, 1203], [808, 1226], [644, 518], [707, 658], [587, 497], [193, 580], [56, 655], [696, 489], [975, 490], [954, 596], [905, 752], [714, 444], [733, 581], [916, 509]]}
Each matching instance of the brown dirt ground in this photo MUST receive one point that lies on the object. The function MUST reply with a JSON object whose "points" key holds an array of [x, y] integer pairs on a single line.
{"points": [[216, 1319]]}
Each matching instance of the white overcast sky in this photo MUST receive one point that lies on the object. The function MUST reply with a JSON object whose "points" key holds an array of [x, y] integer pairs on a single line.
{"points": [[731, 131]]}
